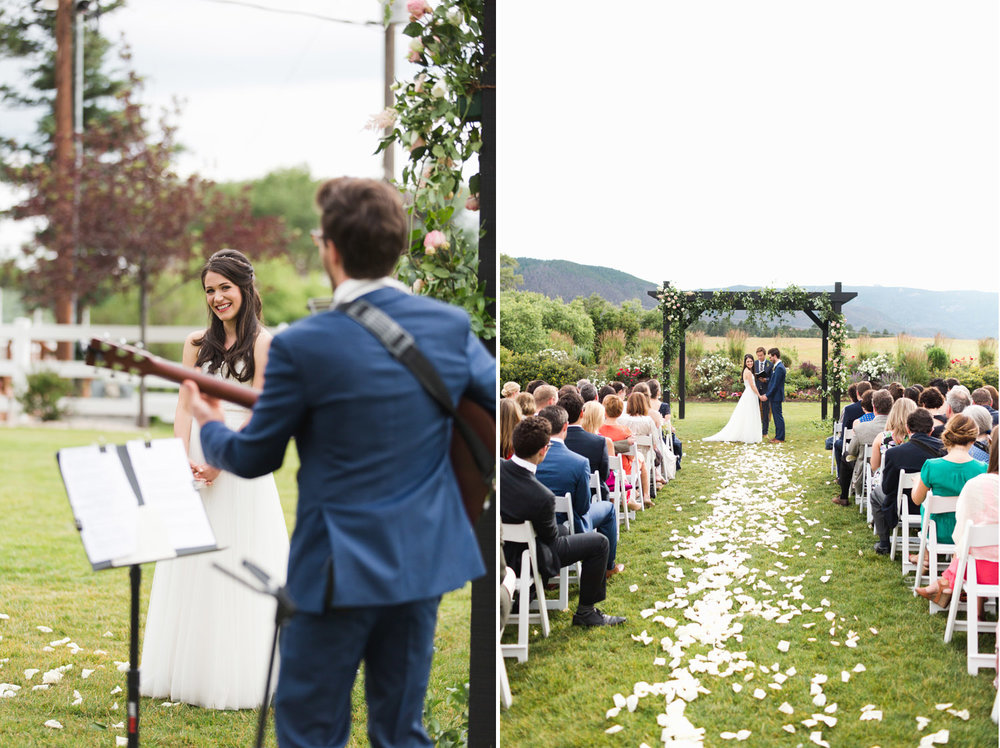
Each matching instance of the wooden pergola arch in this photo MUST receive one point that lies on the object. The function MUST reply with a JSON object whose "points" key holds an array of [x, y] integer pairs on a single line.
{"points": [[838, 297]]}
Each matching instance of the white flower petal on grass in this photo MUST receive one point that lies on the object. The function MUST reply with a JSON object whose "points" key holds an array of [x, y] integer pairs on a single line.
{"points": [[935, 738], [783, 646], [859, 668], [960, 713], [52, 676], [99, 652], [613, 712], [942, 707], [786, 708], [31, 673], [819, 699], [633, 588], [114, 707], [59, 642], [47, 648], [817, 736], [54, 724], [85, 673], [759, 693], [845, 676], [108, 635], [119, 741], [873, 714], [631, 702], [873, 630], [44, 629], [788, 728], [922, 722], [116, 689], [613, 729], [737, 687], [123, 667], [43, 687]]}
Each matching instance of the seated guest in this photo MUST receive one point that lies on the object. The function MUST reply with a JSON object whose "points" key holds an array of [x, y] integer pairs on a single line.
{"points": [[580, 383], [526, 402], [545, 395], [993, 394], [866, 406], [977, 501], [913, 393], [980, 449], [510, 416], [946, 475], [637, 420], [510, 389], [864, 433], [653, 413], [663, 408], [848, 416], [894, 434], [524, 499], [620, 436], [589, 393], [951, 383], [604, 392], [533, 385], [911, 456], [619, 388], [939, 385], [563, 471], [957, 400], [895, 389], [932, 399], [567, 388], [592, 420], [579, 440], [982, 396]]}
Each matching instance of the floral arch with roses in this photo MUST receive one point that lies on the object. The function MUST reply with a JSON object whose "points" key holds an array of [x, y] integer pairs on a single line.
{"points": [[682, 308]]}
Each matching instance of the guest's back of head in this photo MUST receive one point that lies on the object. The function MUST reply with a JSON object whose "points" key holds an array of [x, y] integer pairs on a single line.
{"points": [[866, 400], [960, 431], [958, 399], [920, 421], [510, 389], [604, 392], [638, 404], [593, 416], [529, 436], [567, 388], [895, 389], [556, 417], [572, 403], [931, 398], [654, 388], [526, 401], [510, 416], [881, 402], [951, 383], [533, 385], [981, 396], [994, 394], [981, 417], [901, 409], [912, 393], [613, 405], [588, 392], [618, 387], [545, 394], [863, 387]]}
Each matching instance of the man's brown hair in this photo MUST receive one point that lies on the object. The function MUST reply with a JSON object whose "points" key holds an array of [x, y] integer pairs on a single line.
{"points": [[364, 219]]}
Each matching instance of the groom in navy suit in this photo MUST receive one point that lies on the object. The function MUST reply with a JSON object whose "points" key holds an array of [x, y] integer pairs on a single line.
{"points": [[775, 395], [380, 530]]}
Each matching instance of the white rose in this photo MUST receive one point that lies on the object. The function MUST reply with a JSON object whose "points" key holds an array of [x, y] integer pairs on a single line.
{"points": [[455, 16], [417, 46], [440, 90]]}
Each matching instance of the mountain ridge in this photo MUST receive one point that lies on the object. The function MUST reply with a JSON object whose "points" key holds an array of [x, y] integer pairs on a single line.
{"points": [[915, 311]]}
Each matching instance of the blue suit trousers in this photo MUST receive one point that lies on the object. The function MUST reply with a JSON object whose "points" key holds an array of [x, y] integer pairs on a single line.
{"points": [[779, 420], [320, 655], [602, 518]]}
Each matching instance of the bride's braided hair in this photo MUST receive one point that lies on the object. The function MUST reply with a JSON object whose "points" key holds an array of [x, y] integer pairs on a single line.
{"points": [[238, 360]]}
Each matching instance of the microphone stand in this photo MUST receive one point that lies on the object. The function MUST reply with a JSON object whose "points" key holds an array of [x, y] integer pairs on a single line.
{"points": [[285, 610]]}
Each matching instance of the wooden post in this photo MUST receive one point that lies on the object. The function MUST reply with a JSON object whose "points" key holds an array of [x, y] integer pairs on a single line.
{"points": [[666, 358], [682, 373], [62, 219], [824, 355], [837, 307]]}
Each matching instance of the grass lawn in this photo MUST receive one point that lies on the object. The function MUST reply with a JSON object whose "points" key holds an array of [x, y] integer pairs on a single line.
{"points": [[45, 580], [742, 552]]}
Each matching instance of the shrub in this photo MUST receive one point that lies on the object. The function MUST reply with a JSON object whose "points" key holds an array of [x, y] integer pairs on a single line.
{"points": [[798, 380], [736, 343], [937, 358], [521, 329], [611, 346], [41, 398], [555, 367], [875, 367], [713, 373], [987, 351], [561, 341], [972, 376], [649, 343], [912, 367], [809, 369], [571, 319]]}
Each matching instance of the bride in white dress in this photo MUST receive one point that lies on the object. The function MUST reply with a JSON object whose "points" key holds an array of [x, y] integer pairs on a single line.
{"points": [[207, 638], [744, 424]]}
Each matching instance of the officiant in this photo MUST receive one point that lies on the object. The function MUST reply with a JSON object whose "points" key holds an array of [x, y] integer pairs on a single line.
{"points": [[762, 373]]}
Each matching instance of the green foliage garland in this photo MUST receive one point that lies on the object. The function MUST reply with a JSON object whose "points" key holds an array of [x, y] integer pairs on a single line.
{"points": [[435, 118], [682, 308]]}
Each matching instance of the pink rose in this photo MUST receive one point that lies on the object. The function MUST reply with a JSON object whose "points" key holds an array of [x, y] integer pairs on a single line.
{"points": [[472, 203], [434, 241], [417, 8]]}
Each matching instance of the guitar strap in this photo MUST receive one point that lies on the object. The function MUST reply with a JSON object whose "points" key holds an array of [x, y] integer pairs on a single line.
{"points": [[404, 349]]}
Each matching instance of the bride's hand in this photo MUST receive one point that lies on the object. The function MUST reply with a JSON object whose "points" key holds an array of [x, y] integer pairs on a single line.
{"points": [[207, 473]]}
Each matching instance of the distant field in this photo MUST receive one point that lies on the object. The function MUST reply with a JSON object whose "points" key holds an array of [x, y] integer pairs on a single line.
{"points": [[808, 349]]}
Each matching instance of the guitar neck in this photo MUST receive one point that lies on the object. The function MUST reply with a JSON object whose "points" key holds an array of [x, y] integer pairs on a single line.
{"points": [[213, 386]]}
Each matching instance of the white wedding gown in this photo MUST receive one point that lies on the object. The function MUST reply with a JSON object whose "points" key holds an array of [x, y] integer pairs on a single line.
{"points": [[208, 638], [744, 424]]}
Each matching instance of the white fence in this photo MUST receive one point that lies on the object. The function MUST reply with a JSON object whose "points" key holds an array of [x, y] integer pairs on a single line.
{"points": [[113, 394]]}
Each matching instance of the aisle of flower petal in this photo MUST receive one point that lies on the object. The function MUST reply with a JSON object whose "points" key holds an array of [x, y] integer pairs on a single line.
{"points": [[750, 560]]}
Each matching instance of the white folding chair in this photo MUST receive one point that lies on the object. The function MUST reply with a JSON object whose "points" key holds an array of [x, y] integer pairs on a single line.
{"points": [[907, 522], [838, 430], [929, 545], [567, 574], [503, 684], [644, 444], [523, 532], [866, 484], [595, 487], [976, 536], [617, 494]]}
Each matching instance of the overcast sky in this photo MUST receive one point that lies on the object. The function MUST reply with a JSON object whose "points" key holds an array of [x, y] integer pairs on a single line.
{"points": [[760, 143], [706, 143]]}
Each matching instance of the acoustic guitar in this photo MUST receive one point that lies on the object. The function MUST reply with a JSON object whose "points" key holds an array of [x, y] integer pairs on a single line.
{"points": [[129, 359]]}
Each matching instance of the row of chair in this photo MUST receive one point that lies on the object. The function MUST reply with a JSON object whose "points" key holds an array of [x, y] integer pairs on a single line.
{"points": [[535, 612]]}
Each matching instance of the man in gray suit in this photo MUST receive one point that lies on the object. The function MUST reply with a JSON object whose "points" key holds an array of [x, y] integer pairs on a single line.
{"points": [[864, 433]]}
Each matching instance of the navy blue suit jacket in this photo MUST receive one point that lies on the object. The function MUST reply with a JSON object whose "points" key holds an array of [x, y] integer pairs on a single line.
{"points": [[851, 413], [594, 448], [776, 384], [564, 471], [380, 520]]}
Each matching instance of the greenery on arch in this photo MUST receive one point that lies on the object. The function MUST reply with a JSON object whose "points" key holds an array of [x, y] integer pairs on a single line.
{"points": [[435, 119], [682, 308]]}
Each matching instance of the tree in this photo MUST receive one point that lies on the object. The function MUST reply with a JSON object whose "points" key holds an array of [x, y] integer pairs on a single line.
{"points": [[509, 280]]}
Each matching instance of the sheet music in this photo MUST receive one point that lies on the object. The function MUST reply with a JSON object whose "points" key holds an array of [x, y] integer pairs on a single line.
{"points": [[165, 481], [102, 499]]}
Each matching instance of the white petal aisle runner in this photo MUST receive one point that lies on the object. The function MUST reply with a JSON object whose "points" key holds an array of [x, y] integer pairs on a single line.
{"points": [[695, 635]]}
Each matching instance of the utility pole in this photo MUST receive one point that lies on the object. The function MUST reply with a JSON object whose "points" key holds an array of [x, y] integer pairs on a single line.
{"points": [[61, 221]]}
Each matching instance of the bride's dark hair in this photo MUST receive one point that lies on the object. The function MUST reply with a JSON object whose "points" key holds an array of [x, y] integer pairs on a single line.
{"points": [[236, 268], [746, 358]]}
